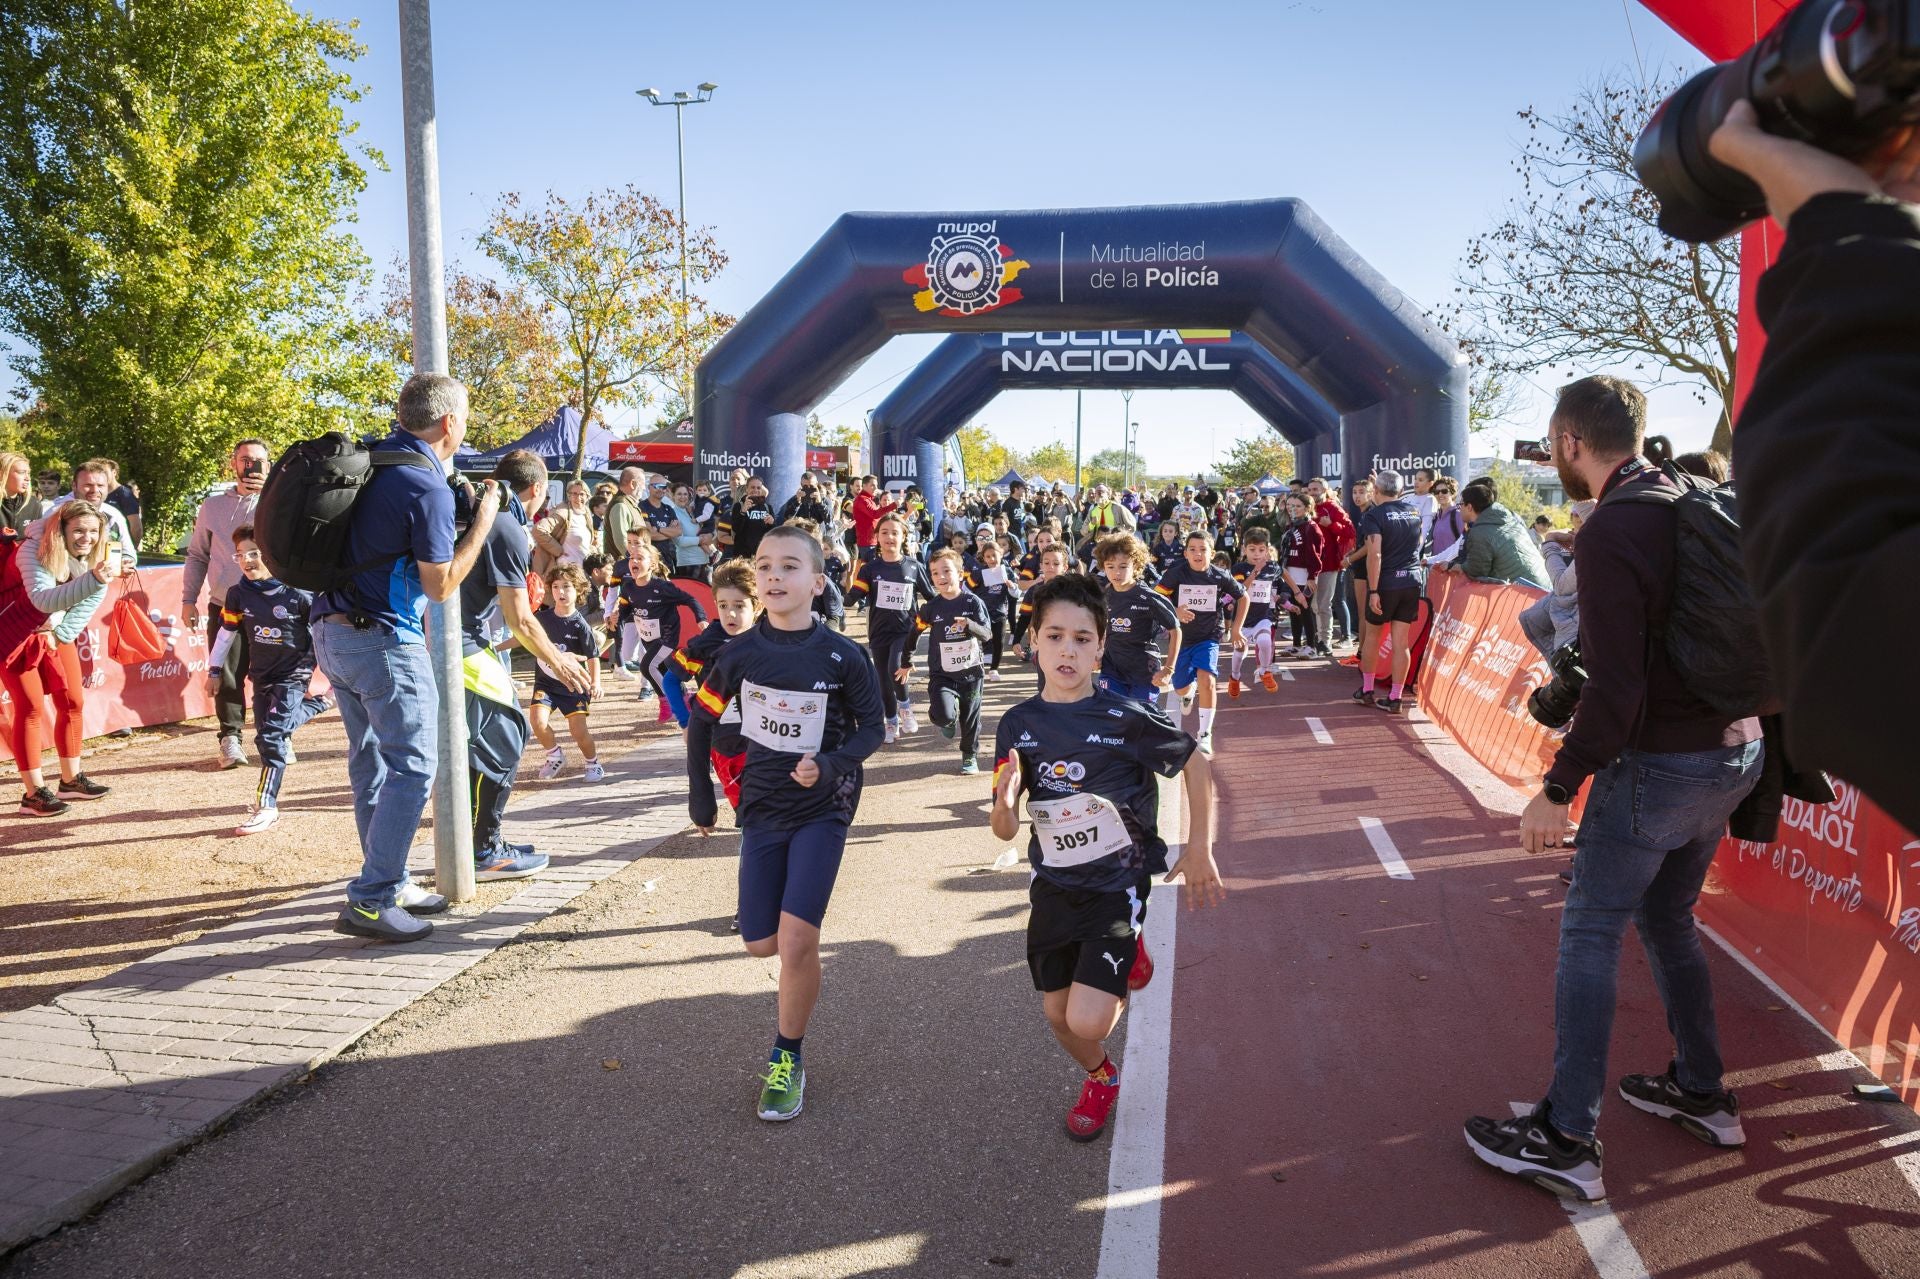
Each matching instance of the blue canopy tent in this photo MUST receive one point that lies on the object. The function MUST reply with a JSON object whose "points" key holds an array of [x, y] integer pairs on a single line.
{"points": [[1007, 481], [557, 441], [1268, 486]]}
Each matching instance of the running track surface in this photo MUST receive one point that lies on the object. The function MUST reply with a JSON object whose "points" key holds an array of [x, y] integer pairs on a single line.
{"points": [[1332, 1026]]}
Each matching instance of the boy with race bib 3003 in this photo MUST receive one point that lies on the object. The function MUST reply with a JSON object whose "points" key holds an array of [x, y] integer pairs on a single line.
{"points": [[1088, 763], [810, 715]]}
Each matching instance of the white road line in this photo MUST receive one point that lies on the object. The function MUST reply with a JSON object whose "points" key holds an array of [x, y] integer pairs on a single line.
{"points": [[1383, 848], [1605, 1239], [1286, 674], [1320, 733], [1136, 1167]]}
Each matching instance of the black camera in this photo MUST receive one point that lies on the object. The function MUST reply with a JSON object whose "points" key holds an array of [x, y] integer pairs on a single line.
{"points": [[1553, 702], [1836, 74]]}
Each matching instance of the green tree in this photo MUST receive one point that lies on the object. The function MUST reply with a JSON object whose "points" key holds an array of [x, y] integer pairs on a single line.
{"points": [[1055, 461], [1577, 272], [1511, 490], [1263, 453], [608, 271], [820, 435], [499, 345], [175, 190], [1109, 467], [985, 458]]}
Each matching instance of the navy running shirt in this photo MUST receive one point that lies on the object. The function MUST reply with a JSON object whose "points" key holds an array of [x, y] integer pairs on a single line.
{"points": [[1398, 525], [505, 559], [954, 628], [654, 608], [570, 634], [274, 615], [892, 590], [811, 691], [403, 518], [1101, 745], [1181, 580], [1266, 583], [1136, 618], [693, 661]]}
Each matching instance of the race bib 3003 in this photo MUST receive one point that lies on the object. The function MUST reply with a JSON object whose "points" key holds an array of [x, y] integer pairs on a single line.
{"points": [[790, 722]]}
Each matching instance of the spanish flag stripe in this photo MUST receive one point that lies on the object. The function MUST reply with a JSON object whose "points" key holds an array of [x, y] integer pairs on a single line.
{"points": [[717, 705]]}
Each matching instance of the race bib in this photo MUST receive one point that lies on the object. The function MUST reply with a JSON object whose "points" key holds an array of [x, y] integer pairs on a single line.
{"points": [[1078, 829], [648, 627], [792, 723], [895, 596], [731, 715], [1200, 599], [1260, 591], [959, 655], [993, 576]]}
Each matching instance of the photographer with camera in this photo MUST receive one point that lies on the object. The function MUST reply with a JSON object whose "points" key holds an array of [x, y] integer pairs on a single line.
{"points": [[1668, 770], [210, 569]]}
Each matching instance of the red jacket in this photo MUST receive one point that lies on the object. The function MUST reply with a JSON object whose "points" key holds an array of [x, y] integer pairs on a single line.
{"points": [[867, 512], [1336, 535], [1302, 546]]}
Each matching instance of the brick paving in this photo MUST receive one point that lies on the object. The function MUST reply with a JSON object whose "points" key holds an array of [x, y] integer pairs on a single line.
{"points": [[110, 1079]]}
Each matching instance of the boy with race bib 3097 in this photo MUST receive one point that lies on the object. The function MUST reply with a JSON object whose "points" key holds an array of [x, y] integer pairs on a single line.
{"points": [[1088, 763], [810, 714]]}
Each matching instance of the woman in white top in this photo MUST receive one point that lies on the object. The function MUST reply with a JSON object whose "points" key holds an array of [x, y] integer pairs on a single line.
{"points": [[566, 534]]}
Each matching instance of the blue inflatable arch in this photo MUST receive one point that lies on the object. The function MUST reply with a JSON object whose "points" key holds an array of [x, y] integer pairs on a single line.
{"points": [[1268, 268], [965, 372]]}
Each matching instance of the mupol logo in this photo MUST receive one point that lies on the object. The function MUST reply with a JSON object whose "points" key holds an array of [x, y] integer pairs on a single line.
{"points": [[967, 271]]}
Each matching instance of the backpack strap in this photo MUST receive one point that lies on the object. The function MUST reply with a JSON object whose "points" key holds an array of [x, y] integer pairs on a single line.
{"points": [[400, 457]]}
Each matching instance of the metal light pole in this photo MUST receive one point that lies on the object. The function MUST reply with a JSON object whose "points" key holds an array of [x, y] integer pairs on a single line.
{"points": [[452, 831], [680, 101], [1126, 449], [1076, 444]]}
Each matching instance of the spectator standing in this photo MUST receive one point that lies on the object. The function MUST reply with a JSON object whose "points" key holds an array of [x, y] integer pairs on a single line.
{"points": [[566, 534], [370, 641], [1015, 509], [1337, 538], [1540, 527], [659, 519], [211, 569], [807, 504], [1495, 547], [742, 527], [1422, 500], [66, 567], [1302, 549], [1449, 522], [623, 512], [92, 481], [125, 498], [48, 482], [1189, 510], [20, 505], [870, 505], [692, 556], [1354, 579]]}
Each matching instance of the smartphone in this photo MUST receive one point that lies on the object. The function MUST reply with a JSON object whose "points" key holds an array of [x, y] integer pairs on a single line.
{"points": [[1531, 451]]}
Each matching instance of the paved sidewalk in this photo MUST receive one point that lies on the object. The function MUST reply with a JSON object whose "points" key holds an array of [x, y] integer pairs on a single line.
{"points": [[108, 1080]]}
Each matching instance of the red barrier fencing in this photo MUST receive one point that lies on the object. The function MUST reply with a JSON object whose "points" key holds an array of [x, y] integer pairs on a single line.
{"points": [[1829, 911]]}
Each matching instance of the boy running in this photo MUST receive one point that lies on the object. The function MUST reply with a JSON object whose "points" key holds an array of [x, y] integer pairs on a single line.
{"points": [[738, 609], [893, 585], [1131, 666], [1200, 591], [956, 619], [567, 627], [280, 664], [651, 605], [1087, 763], [1264, 584], [810, 712]]}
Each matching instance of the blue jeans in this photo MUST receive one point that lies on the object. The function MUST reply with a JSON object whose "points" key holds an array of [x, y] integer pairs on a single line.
{"points": [[1649, 833], [391, 710]]}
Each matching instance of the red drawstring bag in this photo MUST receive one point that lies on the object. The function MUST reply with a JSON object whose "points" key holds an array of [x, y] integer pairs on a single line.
{"points": [[131, 635]]}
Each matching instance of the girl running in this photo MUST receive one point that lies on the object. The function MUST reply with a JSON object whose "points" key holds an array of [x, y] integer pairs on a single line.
{"points": [[651, 606], [893, 586]]}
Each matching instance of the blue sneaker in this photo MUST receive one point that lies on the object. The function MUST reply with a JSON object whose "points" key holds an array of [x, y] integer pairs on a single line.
{"points": [[381, 923], [508, 861]]}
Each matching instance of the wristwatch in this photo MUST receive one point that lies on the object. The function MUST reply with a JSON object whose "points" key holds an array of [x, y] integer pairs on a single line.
{"points": [[1557, 794]]}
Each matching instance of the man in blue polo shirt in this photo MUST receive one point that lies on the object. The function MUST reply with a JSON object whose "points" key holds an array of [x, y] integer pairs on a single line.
{"points": [[370, 639]]}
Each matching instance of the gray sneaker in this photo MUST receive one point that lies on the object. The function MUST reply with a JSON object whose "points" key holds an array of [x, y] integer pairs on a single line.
{"points": [[1711, 1117], [381, 923]]}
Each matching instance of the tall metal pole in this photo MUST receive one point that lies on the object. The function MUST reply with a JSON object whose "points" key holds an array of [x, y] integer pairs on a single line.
{"points": [[452, 831], [1076, 444], [680, 134], [1126, 433]]}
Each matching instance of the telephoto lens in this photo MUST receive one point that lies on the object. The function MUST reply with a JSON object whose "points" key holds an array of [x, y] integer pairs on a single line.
{"points": [[1836, 74], [1554, 702]]}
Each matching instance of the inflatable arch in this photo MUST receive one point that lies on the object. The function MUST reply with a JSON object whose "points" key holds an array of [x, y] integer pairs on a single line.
{"points": [[1267, 268], [964, 374]]}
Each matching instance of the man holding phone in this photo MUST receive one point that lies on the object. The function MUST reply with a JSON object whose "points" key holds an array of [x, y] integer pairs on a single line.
{"points": [[211, 568]]}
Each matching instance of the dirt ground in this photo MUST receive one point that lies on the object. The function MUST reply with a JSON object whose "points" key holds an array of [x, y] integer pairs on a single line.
{"points": [[155, 863]]}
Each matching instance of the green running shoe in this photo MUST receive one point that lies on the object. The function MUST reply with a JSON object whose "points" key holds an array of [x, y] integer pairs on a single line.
{"points": [[785, 1085]]}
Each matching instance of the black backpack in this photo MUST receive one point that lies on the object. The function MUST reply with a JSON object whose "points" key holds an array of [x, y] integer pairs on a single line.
{"points": [[305, 511], [1712, 635]]}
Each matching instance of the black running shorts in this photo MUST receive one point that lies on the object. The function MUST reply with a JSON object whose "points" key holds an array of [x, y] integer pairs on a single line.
{"points": [[1397, 604], [1089, 938]]}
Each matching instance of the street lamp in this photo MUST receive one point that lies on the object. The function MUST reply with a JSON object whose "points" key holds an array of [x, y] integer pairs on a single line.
{"points": [[681, 100], [1126, 431]]}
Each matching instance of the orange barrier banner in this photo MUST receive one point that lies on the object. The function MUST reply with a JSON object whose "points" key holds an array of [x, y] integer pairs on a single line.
{"points": [[1829, 911]]}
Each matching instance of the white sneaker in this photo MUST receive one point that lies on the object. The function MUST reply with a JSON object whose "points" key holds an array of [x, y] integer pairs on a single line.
{"points": [[550, 766], [908, 724], [231, 753], [594, 772], [893, 733], [258, 820], [993, 676], [1186, 704], [1206, 743]]}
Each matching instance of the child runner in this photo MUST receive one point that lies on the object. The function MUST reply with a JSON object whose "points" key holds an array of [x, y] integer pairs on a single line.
{"points": [[280, 664], [992, 583], [651, 605], [894, 585], [1168, 549], [1200, 591], [560, 617], [956, 619], [1131, 666], [1052, 563], [810, 713], [738, 609], [1087, 762], [1263, 581]]}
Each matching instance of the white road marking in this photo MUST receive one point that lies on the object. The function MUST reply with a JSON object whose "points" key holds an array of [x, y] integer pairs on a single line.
{"points": [[1320, 733], [1605, 1239], [842, 1259], [1136, 1167], [1383, 848], [1286, 674]]}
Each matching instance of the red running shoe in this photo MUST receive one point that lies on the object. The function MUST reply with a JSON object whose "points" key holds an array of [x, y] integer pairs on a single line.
{"points": [[1142, 967], [1233, 687], [1350, 660], [1088, 1118], [1268, 682]]}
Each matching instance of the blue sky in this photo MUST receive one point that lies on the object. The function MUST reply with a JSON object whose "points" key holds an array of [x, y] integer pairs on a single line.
{"points": [[1394, 119]]}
